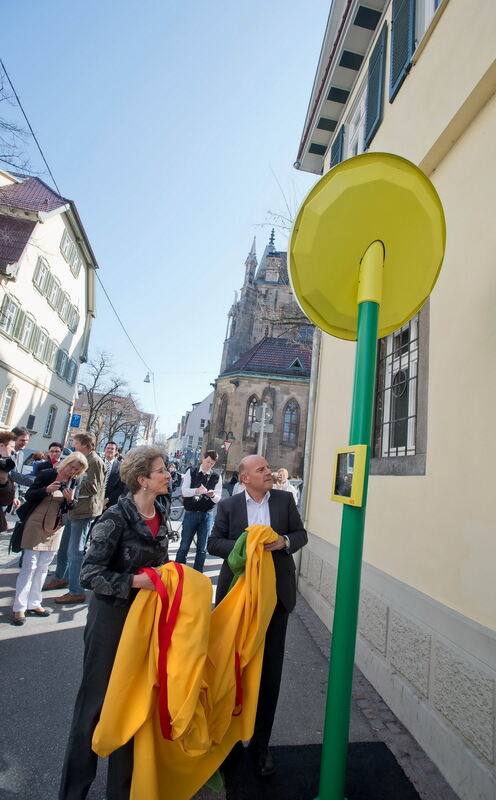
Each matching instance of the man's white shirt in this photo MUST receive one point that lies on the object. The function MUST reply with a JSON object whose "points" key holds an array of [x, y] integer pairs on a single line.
{"points": [[187, 491], [257, 513]]}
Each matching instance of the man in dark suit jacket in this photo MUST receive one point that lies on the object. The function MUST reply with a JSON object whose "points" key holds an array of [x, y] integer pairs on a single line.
{"points": [[260, 504], [114, 487]]}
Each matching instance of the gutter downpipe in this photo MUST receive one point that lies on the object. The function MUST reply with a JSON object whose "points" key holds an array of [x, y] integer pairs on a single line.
{"points": [[309, 435]]}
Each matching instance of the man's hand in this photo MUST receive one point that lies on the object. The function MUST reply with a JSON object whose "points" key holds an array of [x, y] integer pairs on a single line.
{"points": [[15, 504], [105, 502], [210, 494], [52, 487], [279, 544], [201, 490]]}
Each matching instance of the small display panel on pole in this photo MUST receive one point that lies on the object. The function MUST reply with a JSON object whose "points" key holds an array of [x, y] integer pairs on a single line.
{"points": [[349, 475]]}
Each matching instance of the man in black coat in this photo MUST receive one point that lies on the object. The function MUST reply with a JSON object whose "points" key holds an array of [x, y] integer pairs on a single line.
{"points": [[114, 487], [260, 504]]}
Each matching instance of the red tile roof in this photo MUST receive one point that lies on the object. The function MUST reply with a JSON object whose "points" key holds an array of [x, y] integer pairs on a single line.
{"points": [[14, 236], [274, 356], [31, 195]]}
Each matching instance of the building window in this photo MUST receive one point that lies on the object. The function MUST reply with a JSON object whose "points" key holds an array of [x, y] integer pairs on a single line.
{"points": [[73, 319], [221, 419], [71, 371], [26, 329], [8, 315], [40, 344], [52, 349], [65, 305], [7, 406], [202, 423], [41, 275], [50, 421], [396, 397], [356, 125], [61, 363], [291, 423], [250, 417], [53, 292], [375, 87], [70, 253], [190, 441]]}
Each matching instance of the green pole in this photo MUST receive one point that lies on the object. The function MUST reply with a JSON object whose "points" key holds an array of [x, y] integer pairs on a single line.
{"points": [[344, 629]]}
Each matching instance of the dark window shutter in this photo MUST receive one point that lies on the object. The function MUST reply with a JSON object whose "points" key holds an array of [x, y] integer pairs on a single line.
{"points": [[402, 42], [375, 87], [337, 147]]}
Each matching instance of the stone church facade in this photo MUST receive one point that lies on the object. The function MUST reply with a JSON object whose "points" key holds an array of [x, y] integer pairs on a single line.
{"points": [[266, 358]]}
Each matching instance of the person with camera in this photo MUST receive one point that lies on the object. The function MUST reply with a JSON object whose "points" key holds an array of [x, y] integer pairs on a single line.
{"points": [[7, 487], [53, 492]]}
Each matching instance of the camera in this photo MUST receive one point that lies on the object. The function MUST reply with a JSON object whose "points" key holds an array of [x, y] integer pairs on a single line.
{"points": [[62, 485], [7, 464]]}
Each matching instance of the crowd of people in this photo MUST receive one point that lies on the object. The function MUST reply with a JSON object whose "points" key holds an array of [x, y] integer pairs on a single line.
{"points": [[105, 519]]}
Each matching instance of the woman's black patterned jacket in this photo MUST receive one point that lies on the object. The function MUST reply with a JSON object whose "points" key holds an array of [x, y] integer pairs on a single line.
{"points": [[120, 545]]}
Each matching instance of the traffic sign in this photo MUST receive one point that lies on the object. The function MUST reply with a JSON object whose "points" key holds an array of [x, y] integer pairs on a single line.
{"points": [[75, 421], [256, 426], [227, 444], [259, 413]]}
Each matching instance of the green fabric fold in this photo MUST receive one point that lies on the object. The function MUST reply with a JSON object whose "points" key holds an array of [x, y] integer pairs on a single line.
{"points": [[237, 558], [215, 783]]}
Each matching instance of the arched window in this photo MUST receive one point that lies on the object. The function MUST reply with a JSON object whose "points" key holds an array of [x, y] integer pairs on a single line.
{"points": [[291, 423], [250, 417], [7, 405], [221, 418]]}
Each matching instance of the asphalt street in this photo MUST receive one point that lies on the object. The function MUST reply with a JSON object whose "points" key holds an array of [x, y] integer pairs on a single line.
{"points": [[41, 670]]}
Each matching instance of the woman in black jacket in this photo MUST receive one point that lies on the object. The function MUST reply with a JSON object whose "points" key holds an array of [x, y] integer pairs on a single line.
{"points": [[128, 536], [53, 492]]}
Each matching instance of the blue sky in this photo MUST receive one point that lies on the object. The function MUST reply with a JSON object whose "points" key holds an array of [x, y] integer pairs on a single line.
{"points": [[166, 123]]}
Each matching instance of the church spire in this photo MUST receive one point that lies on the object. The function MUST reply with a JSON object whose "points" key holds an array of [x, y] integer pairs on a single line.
{"points": [[251, 263], [272, 239]]}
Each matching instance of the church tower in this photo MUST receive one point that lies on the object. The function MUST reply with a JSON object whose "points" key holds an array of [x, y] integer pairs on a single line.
{"points": [[241, 314]]}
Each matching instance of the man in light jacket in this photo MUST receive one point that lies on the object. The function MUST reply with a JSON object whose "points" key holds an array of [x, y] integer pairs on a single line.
{"points": [[89, 506]]}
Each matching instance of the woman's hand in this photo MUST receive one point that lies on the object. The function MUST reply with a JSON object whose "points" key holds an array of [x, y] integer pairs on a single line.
{"points": [[142, 581], [52, 487], [68, 494]]}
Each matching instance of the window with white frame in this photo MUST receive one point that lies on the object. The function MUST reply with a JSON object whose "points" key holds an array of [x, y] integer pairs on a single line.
{"points": [[396, 398], [69, 251], [7, 405], [51, 353], [26, 331], [61, 363], [424, 13], [71, 371], [65, 306], [53, 292], [41, 274], [356, 124], [40, 345], [50, 421], [8, 315], [73, 321]]}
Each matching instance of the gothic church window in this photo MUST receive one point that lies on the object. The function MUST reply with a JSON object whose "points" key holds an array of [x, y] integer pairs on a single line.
{"points": [[250, 417], [221, 419], [291, 423]]}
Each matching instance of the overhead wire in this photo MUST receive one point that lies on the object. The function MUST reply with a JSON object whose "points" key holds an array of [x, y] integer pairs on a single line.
{"points": [[96, 272]]}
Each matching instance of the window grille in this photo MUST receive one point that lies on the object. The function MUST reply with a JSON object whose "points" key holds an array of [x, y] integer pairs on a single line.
{"points": [[50, 420], [396, 393], [8, 315]]}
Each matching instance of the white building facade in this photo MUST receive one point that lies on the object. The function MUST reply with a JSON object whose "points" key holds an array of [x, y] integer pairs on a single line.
{"points": [[190, 444], [47, 304]]}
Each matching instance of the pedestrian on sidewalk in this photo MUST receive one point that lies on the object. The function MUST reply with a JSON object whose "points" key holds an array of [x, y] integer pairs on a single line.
{"points": [[201, 489], [128, 536], [7, 463], [260, 504], [80, 518], [52, 493]]}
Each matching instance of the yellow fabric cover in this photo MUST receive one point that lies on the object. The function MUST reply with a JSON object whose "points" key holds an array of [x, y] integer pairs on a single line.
{"points": [[201, 677]]}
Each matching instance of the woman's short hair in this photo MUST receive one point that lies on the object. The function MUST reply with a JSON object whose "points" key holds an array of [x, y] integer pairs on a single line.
{"points": [[74, 458], [138, 463]]}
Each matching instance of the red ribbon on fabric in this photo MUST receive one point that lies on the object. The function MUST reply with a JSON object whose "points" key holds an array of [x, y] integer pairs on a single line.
{"points": [[238, 700], [166, 626]]}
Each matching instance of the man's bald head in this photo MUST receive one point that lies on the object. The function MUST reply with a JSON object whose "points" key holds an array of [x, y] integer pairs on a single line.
{"points": [[255, 475]]}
